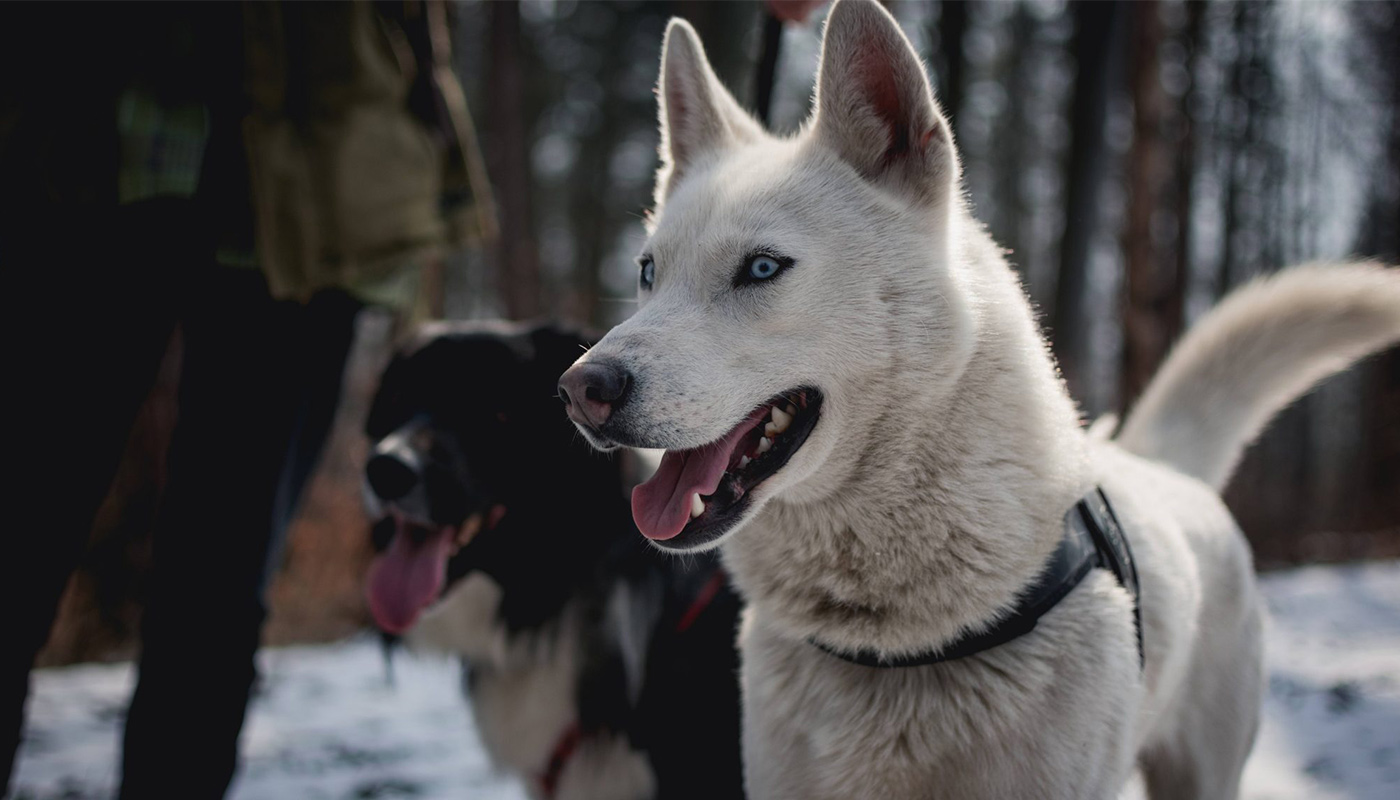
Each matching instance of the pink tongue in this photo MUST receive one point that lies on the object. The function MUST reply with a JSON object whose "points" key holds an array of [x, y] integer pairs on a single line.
{"points": [[661, 505], [407, 578]]}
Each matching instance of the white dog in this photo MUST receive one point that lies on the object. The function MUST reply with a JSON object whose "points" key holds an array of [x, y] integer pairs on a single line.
{"points": [[858, 406]]}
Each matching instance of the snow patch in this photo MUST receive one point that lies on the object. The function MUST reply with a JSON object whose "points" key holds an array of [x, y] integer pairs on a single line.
{"points": [[326, 723]]}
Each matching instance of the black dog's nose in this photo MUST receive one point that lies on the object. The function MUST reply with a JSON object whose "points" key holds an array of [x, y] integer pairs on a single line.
{"points": [[592, 390], [390, 476]]}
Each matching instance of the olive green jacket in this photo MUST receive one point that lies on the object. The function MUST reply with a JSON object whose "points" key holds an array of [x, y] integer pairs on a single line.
{"points": [[363, 164]]}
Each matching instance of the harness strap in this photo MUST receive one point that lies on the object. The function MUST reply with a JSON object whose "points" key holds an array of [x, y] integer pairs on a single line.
{"points": [[1093, 539], [1114, 553], [564, 749]]}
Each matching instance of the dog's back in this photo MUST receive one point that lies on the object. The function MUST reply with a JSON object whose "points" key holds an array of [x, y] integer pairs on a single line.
{"points": [[1259, 350]]}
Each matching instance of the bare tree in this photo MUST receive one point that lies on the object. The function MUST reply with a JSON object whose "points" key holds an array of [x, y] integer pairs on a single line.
{"points": [[1380, 236], [1152, 302], [517, 263], [952, 26], [1094, 52], [1187, 158], [593, 228]]}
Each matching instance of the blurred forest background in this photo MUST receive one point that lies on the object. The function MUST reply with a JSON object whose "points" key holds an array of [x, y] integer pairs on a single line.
{"points": [[1137, 159]]}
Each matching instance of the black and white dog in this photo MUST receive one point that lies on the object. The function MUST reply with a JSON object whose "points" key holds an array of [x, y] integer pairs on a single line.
{"points": [[597, 667]]}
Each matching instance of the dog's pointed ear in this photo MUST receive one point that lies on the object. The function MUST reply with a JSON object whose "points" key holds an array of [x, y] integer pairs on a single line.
{"points": [[875, 107], [698, 116]]}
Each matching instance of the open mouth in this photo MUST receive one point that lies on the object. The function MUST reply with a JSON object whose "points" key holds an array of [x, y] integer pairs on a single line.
{"points": [[696, 496], [408, 576]]}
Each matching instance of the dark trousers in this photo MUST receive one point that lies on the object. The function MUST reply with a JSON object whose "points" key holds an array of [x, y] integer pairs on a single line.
{"points": [[259, 384]]}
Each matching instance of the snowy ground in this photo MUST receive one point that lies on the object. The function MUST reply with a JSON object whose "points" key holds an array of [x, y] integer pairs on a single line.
{"points": [[327, 724]]}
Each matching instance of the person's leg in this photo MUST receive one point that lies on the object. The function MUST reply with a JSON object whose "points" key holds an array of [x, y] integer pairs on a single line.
{"points": [[251, 367], [99, 301], [203, 614], [329, 325]]}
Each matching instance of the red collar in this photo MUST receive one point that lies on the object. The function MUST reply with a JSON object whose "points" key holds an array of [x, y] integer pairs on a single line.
{"points": [[564, 749], [702, 601]]}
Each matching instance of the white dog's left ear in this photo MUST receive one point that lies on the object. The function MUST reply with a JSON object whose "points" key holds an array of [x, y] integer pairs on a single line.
{"points": [[875, 107], [698, 115]]}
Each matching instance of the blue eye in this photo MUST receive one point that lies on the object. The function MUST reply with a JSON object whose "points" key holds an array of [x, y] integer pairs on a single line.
{"points": [[648, 276], [761, 268]]}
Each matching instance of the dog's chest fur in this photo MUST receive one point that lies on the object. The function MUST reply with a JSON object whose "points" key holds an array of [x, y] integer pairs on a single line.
{"points": [[523, 689], [978, 728]]}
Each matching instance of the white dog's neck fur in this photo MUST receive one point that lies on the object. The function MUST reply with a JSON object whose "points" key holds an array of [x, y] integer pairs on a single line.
{"points": [[994, 463]]}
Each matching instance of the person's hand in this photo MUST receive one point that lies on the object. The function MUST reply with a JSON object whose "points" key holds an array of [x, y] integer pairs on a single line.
{"points": [[795, 11]]}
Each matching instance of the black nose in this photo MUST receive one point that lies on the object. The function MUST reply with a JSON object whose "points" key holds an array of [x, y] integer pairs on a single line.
{"points": [[593, 390], [390, 477]]}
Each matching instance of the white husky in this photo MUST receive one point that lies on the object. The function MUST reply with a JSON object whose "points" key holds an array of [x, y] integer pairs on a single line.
{"points": [[858, 406]]}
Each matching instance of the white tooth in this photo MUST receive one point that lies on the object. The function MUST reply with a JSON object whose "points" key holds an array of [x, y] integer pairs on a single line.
{"points": [[764, 445], [744, 461], [771, 429], [791, 410], [781, 420], [697, 506]]}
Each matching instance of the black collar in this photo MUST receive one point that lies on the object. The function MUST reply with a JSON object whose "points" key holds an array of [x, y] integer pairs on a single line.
{"points": [[1093, 539]]}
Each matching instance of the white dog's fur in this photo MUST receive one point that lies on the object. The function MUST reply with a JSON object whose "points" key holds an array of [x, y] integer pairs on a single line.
{"points": [[936, 482]]}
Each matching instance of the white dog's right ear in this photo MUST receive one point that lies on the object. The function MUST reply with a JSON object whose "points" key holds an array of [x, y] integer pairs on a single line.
{"points": [[698, 115], [875, 107]]}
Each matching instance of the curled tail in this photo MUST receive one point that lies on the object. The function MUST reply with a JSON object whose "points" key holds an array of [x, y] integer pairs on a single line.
{"points": [[1264, 346]]}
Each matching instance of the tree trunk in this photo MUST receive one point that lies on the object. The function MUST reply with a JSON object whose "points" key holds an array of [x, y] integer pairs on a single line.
{"points": [[952, 26], [1187, 161], [594, 230], [1151, 313], [1379, 471], [767, 72], [517, 263], [1094, 25], [1012, 144]]}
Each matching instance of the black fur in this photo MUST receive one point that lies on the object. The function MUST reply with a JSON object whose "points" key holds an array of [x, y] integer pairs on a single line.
{"points": [[500, 437]]}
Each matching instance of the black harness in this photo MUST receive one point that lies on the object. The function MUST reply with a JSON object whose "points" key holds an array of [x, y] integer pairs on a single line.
{"points": [[1093, 539]]}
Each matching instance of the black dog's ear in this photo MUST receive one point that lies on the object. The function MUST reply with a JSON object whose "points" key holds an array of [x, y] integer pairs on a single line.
{"points": [[559, 346], [386, 410], [556, 348], [399, 380]]}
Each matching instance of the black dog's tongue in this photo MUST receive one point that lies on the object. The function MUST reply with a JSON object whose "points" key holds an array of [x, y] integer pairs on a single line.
{"points": [[408, 577]]}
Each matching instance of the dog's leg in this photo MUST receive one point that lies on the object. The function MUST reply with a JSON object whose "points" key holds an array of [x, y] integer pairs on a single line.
{"points": [[1201, 753]]}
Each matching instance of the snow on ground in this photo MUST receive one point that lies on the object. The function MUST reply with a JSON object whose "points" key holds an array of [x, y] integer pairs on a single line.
{"points": [[1332, 720], [327, 724]]}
